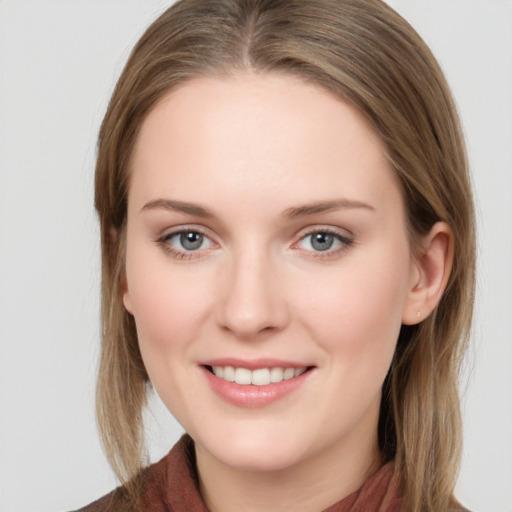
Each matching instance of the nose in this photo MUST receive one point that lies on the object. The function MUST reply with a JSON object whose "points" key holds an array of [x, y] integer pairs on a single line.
{"points": [[253, 299]]}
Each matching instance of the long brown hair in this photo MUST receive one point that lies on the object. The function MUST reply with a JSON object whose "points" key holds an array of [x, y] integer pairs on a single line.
{"points": [[368, 55]]}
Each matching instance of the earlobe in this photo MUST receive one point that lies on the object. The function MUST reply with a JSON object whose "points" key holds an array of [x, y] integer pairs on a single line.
{"points": [[430, 272], [127, 301], [118, 239]]}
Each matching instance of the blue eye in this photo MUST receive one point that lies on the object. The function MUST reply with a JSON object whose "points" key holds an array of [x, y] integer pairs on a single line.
{"points": [[191, 241], [324, 241], [185, 241]]}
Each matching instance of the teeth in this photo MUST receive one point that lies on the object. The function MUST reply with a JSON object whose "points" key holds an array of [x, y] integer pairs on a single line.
{"points": [[259, 377], [288, 373], [276, 375], [228, 373], [242, 376]]}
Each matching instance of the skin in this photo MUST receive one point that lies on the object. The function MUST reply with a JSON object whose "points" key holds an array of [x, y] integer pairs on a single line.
{"points": [[249, 148]]}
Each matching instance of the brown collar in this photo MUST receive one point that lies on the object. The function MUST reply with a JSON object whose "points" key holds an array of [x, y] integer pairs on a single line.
{"points": [[378, 494]]}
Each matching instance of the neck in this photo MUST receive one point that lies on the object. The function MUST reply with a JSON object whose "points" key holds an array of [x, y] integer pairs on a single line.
{"points": [[310, 485]]}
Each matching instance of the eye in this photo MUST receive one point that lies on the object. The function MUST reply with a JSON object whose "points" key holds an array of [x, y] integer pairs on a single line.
{"points": [[189, 240], [324, 241], [185, 243], [321, 241]]}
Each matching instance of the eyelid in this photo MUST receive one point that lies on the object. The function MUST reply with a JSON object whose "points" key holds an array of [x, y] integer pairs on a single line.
{"points": [[345, 237], [163, 239], [324, 228]]}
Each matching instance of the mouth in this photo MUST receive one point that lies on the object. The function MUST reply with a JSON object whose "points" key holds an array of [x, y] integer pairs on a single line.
{"points": [[255, 383], [257, 376]]}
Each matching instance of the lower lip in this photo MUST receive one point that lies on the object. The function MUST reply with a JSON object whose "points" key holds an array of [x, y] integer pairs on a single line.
{"points": [[251, 396]]}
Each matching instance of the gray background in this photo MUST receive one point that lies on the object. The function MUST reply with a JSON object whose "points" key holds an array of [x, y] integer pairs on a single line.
{"points": [[58, 62]]}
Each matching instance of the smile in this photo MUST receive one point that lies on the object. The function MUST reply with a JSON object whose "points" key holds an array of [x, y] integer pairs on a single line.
{"points": [[260, 385], [257, 377]]}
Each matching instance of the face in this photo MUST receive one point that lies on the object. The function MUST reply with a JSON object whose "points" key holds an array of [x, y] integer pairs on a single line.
{"points": [[266, 244]]}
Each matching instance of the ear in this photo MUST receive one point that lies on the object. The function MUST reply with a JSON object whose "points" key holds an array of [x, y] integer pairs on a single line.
{"points": [[119, 240], [430, 270], [127, 301]]}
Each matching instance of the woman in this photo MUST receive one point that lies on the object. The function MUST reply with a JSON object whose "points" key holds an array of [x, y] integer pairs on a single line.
{"points": [[288, 259]]}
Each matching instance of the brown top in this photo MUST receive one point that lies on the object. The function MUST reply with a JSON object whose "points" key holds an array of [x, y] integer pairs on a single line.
{"points": [[171, 486]]}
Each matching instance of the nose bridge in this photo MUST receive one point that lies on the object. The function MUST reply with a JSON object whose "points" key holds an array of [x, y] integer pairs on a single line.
{"points": [[252, 301]]}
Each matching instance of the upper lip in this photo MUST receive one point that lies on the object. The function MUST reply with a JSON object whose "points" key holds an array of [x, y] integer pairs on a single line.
{"points": [[253, 364]]}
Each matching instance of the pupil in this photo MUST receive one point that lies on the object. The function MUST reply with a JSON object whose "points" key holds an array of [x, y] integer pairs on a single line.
{"points": [[322, 241], [191, 240]]}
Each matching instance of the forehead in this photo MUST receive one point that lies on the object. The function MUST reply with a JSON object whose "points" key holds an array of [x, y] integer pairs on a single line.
{"points": [[255, 134]]}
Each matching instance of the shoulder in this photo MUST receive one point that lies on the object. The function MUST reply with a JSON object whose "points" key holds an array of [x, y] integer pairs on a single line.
{"points": [[109, 502], [166, 485], [151, 482]]}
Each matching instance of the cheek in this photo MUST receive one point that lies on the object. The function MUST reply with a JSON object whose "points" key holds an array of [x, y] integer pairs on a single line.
{"points": [[355, 312], [167, 304], [167, 308]]}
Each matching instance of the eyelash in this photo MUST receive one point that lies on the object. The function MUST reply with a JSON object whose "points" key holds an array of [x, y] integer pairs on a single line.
{"points": [[164, 242], [344, 241]]}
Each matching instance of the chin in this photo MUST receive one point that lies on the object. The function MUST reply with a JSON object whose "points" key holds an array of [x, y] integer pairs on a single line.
{"points": [[256, 450], [253, 457]]}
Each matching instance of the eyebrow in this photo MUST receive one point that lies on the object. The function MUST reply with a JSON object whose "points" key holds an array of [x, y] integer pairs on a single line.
{"points": [[178, 206], [325, 206], [290, 213]]}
